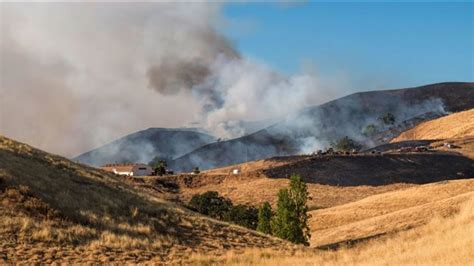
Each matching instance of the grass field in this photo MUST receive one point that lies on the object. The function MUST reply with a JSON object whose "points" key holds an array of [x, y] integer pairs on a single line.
{"points": [[55, 210], [389, 212], [456, 125], [441, 241]]}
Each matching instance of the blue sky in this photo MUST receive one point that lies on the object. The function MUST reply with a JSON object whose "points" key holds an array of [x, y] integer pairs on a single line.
{"points": [[375, 45]]}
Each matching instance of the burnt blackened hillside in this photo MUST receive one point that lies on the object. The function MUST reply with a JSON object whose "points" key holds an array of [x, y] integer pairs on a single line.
{"points": [[316, 127], [144, 145]]}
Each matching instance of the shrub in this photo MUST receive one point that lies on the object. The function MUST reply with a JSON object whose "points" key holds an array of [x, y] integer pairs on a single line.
{"points": [[159, 158], [211, 204], [290, 221], [243, 215], [196, 170], [388, 119], [346, 144], [264, 218], [369, 130], [160, 167]]}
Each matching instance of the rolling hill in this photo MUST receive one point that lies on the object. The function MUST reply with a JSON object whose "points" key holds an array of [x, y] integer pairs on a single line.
{"points": [[55, 210], [145, 145], [332, 179], [389, 212], [456, 125], [316, 127], [436, 231], [117, 221]]}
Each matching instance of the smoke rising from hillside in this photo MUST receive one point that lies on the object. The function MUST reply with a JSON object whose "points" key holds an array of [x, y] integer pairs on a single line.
{"points": [[78, 75]]}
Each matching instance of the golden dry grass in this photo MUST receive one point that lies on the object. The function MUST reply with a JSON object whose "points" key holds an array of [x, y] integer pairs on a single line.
{"points": [[442, 241], [388, 213], [55, 210], [455, 125], [331, 180], [255, 191]]}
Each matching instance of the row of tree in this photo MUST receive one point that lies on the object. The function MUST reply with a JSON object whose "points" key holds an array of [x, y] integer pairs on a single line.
{"points": [[289, 220]]}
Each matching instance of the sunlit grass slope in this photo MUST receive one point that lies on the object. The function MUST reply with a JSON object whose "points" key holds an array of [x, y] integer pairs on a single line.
{"points": [[53, 210]]}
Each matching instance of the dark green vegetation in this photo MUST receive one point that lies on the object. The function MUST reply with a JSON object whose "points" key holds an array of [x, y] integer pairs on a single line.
{"points": [[215, 206], [369, 130], [265, 214], [160, 167], [243, 215], [290, 221], [346, 144], [387, 119]]}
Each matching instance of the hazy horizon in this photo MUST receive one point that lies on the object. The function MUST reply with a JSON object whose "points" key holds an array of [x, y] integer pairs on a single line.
{"points": [[74, 76]]}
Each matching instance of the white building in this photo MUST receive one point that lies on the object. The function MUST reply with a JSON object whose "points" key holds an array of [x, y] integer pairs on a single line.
{"points": [[129, 169]]}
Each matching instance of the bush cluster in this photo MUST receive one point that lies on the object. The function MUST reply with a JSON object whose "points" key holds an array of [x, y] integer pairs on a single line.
{"points": [[213, 205], [289, 221], [346, 144]]}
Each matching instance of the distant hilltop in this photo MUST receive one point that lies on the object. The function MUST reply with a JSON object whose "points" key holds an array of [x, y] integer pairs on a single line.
{"points": [[356, 116]]}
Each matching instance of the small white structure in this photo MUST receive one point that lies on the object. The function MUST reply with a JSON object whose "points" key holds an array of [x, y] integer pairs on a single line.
{"points": [[129, 169], [236, 171]]}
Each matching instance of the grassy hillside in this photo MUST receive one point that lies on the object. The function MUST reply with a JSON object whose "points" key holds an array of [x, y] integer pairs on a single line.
{"points": [[442, 241], [55, 210], [389, 212], [332, 180], [427, 225], [456, 125]]}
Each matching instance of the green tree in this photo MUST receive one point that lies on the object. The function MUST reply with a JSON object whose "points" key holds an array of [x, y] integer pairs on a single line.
{"points": [[388, 119], [160, 167], [369, 130], [290, 221], [264, 218], [283, 222], [211, 204], [159, 158], [243, 215], [346, 144]]}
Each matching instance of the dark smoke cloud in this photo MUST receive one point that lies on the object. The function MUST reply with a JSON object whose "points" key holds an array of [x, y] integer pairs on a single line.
{"points": [[169, 77], [172, 74]]}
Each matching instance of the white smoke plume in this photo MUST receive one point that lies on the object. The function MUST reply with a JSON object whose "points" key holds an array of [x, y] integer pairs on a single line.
{"points": [[74, 76]]}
